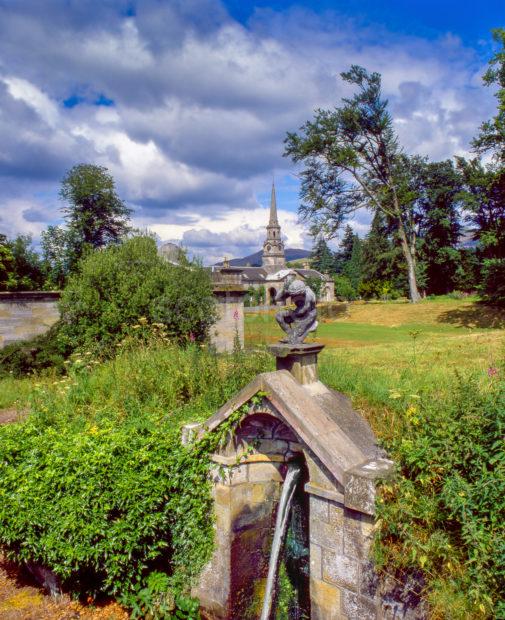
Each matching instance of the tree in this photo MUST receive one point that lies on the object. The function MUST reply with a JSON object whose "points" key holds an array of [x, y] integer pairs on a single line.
{"points": [[58, 255], [439, 226], [119, 285], [484, 203], [380, 260], [353, 268], [95, 215], [322, 257], [353, 160], [20, 266], [492, 133], [7, 275], [344, 253]]}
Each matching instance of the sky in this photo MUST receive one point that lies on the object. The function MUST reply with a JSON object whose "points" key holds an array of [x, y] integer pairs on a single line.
{"points": [[187, 102]]}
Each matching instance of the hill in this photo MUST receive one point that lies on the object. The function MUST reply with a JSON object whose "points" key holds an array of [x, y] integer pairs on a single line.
{"points": [[254, 260]]}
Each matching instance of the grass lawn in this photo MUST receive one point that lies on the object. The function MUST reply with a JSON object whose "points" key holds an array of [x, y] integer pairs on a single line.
{"points": [[432, 336]]}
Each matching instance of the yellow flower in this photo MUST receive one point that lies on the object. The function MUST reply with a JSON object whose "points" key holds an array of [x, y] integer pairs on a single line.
{"points": [[411, 410], [93, 430]]}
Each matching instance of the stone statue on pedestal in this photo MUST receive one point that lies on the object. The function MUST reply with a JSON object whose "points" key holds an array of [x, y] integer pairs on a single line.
{"points": [[299, 322]]}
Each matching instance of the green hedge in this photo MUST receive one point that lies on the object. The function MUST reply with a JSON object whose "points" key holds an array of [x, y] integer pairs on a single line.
{"points": [[96, 485]]}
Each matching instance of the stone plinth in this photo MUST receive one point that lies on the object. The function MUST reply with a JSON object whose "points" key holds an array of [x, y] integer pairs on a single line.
{"points": [[299, 359], [229, 294]]}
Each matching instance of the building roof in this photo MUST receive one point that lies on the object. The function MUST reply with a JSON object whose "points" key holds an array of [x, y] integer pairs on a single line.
{"points": [[323, 420], [309, 273], [251, 274]]}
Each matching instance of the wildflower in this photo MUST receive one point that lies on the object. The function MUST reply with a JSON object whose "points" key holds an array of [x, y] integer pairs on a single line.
{"points": [[235, 315], [192, 337], [411, 410], [93, 430], [492, 371]]}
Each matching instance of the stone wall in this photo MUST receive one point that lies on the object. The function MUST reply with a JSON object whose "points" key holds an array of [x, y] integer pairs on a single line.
{"points": [[24, 315], [230, 321]]}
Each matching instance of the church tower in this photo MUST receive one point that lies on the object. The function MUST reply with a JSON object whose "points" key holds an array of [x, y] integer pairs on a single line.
{"points": [[273, 249]]}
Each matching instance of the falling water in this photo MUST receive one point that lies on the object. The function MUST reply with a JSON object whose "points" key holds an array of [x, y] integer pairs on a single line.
{"points": [[288, 490]]}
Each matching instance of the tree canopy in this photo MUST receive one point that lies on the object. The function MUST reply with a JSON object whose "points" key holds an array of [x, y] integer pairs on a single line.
{"points": [[353, 159]]}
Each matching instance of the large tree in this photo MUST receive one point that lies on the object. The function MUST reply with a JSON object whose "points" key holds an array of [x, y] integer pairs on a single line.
{"points": [[491, 138], [322, 257], [438, 213], [353, 159], [95, 215]]}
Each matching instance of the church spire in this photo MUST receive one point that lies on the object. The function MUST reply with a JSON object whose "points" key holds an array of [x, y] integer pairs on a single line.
{"points": [[273, 208], [273, 249]]}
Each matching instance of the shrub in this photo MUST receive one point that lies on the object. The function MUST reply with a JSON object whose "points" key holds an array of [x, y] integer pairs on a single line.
{"points": [[35, 355], [96, 484], [344, 290], [378, 289], [116, 286], [492, 287]]}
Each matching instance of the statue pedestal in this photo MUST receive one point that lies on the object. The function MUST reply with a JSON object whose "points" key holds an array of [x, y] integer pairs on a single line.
{"points": [[299, 359]]}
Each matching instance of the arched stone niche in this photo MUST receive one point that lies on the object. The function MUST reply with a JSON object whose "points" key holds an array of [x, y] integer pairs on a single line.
{"points": [[312, 424]]}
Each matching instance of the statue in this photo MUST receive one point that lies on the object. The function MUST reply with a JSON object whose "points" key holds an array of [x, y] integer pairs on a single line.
{"points": [[299, 322]]}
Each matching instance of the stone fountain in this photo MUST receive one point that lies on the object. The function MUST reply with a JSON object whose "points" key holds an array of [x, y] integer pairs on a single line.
{"points": [[290, 417]]}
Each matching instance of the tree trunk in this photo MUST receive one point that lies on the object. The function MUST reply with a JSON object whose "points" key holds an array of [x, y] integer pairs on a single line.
{"points": [[411, 266]]}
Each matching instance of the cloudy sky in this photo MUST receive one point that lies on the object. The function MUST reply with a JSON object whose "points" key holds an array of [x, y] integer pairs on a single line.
{"points": [[187, 102]]}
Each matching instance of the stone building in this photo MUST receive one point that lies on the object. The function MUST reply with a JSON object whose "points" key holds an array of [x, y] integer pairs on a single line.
{"points": [[273, 271]]}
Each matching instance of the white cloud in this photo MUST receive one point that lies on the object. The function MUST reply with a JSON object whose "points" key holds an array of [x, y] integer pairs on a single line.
{"points": [[202, 104]]}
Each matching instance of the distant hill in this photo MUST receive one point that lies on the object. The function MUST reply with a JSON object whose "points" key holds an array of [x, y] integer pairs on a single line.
{"points": [[254, 260]]}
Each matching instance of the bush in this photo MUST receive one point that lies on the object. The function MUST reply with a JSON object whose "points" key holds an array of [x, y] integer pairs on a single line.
{"points": [[117, 286], [344, 290], [96, 484], [447, 510], [492, 287], [378, 289], [34, 356]]}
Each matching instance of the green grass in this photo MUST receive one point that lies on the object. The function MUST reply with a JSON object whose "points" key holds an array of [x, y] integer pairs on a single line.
{"points": [[429, 378], [434, 337]]}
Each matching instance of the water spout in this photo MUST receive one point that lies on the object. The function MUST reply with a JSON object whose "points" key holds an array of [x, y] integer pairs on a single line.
{"points": [[288, 490]]}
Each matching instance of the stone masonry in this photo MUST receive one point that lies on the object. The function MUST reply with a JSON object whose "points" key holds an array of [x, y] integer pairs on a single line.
{"points": [[297, 418], [229, 294], [24, 315]]}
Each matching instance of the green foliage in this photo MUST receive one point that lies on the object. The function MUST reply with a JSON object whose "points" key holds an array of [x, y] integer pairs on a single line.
{"points": [[322, 257], [492, 133], [316, 284], [493, 280], [95, 215], [97, 486], [20, 266], [122, 284], [58, 255], [377, 289], [156, 601], [447, 508], [443, 517], [439, 224], [352, 159], [44, 352], [344, 290], [483, 198]]}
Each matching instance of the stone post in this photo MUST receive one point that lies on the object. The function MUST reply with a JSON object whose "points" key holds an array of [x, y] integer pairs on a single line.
{"points": [[299, 359], [229, 293]]}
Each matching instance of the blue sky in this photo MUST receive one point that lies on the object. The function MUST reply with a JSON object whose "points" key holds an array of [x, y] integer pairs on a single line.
{"points": [[187, 102], [430, 19]]}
